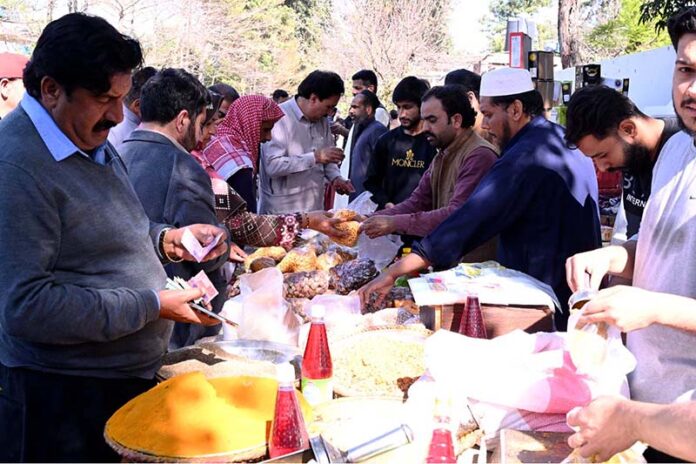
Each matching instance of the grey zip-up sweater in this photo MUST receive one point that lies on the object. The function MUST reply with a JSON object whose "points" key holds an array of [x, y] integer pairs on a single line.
{"points": [[77, 263]]}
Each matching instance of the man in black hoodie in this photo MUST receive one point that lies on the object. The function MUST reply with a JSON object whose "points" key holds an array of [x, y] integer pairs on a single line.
{"points": [[402, 155]]}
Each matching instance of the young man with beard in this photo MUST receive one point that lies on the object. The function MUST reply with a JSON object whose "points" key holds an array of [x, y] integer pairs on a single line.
{"points": [[659, 311], [463, 159], [367, 132], [403, 154], [540, 197], [608, 128], [171, 185], [84, 319]]}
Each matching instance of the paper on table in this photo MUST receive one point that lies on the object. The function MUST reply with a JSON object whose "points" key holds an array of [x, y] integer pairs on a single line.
{"points": [[494, 284], [194, 247]]}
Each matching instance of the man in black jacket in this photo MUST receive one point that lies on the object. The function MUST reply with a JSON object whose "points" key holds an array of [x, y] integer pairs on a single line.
{"points": [[402, 155], [172, 186]]}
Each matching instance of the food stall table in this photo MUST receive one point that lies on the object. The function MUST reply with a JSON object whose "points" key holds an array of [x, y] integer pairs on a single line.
{"points": [[498, 320], [524, 446]]}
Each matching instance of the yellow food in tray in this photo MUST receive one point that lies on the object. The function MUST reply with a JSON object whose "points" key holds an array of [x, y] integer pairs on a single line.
{"points": [[190, 416]]}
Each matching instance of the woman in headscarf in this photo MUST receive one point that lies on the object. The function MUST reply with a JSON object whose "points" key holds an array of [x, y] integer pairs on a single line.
{"points": [[247, 228], [234, 152]]}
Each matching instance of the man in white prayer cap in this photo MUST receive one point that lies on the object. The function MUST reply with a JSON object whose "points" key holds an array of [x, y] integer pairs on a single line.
{"points": [[540, 197]]}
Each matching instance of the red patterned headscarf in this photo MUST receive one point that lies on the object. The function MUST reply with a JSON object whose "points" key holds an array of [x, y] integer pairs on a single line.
{"points": [[239, 134]]}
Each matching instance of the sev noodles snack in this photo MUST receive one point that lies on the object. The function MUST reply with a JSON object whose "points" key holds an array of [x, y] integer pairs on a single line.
{"points": [[373, 365]]}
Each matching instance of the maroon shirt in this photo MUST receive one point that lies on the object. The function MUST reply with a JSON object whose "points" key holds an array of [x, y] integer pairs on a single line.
{"points": [[415, 215]]}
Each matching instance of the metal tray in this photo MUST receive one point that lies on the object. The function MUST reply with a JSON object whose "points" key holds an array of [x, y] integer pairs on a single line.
{"points": [[259, 350]]}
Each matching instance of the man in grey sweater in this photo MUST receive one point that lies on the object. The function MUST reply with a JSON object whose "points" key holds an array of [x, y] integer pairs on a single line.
{"points": [[83, 320], [171, 185]]}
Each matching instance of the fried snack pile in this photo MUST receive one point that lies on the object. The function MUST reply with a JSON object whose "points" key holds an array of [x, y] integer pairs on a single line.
{"points": [[352, 228], [299, 260], [305, 284], [189, 415], [328, 260], [345, 215], [348, 224], [276, 253]]}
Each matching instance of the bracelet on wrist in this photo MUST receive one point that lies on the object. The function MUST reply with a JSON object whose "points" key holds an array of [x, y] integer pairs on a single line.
{"points": [[160, 247]]}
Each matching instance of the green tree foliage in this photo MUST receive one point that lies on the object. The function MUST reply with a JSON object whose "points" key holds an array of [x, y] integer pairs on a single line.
{"points": [[312, 18], [625, 33], [657, 12]]}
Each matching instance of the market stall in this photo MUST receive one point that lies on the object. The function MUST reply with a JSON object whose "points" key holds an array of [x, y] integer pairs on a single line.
{"points": [[389, 364]]}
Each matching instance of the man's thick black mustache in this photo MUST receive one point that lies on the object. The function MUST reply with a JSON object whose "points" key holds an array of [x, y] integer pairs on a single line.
{"points": [[103, 125], [688, 101]]}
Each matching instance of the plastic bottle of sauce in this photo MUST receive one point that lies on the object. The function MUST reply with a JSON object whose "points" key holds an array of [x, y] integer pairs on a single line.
{"points": [[288, 432], [441, 448], [317, 369]]}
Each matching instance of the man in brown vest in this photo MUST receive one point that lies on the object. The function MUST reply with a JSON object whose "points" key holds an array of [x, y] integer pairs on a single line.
{"points": [[463, 159]]}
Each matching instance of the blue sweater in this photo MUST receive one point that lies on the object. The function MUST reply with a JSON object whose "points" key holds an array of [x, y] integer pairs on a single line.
{"points": [[77, 263], [541, 197], [175, 189]]}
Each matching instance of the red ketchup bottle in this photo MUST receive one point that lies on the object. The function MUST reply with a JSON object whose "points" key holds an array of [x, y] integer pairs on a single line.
{"points": [[288, 432], [441, 448], [317, 369]]}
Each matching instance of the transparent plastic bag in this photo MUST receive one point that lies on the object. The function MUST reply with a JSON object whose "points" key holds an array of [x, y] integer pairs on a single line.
{"points": [[265, 314], [352, 275], [306, 284]]}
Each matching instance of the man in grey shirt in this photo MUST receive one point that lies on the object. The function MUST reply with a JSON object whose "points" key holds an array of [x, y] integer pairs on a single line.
{"points": [[301, 158], [84, 321]]}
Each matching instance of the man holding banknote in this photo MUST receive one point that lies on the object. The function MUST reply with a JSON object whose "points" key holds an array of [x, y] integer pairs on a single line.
{"points": [[172, 186], [84, 317]]}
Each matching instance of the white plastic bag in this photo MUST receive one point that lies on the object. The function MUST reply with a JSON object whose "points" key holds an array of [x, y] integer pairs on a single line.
{"points": [[380, 250], [265, 314], [531, 372]]}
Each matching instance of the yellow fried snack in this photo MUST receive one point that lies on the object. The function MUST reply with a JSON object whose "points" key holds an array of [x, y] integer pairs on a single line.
{"points": [[189, 415], [299, 260], [276, 253], [328, 260], [345, 215], [351, 239]]}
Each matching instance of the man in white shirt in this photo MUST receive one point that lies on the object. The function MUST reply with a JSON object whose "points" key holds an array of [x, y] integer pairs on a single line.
{"points": [[301, 157], [131, 107], [659, 311]]}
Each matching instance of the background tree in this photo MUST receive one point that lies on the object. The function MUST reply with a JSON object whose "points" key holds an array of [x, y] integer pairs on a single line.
{"points": [[658, 12], [395, 38], [625, 33], [501, 11]]}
